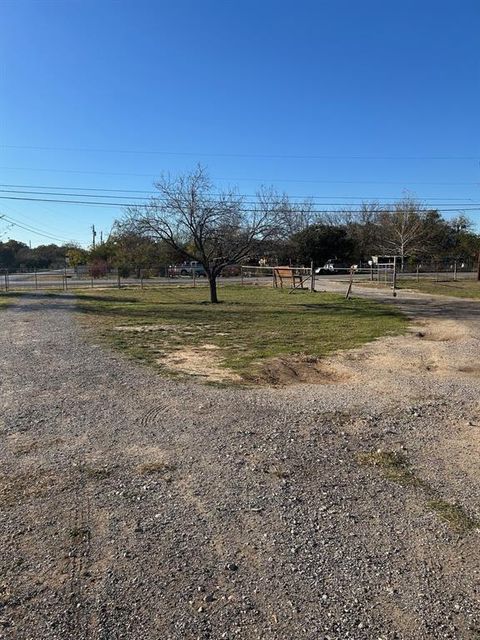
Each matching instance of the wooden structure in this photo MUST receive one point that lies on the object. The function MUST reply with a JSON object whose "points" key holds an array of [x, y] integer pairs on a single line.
{"points": [[291, 277]]}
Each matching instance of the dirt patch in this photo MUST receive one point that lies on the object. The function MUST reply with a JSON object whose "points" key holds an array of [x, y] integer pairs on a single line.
{"points": [[203, 362], [443, 331], [296, 370]]}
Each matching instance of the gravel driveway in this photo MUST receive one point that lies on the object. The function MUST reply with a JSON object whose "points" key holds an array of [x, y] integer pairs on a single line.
{"points": [[135, 507]]}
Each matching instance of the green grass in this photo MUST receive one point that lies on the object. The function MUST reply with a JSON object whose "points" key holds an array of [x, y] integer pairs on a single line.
{"points": [[250, 325], [459, 289], [7, 299]]}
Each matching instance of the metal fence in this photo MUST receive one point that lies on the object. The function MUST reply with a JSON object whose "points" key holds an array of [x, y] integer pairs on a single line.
{"points": [[66, 279]]}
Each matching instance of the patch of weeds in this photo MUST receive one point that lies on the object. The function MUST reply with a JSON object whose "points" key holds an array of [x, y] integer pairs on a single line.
{"points": [[454, 514], [157, 468], [394, 465]]}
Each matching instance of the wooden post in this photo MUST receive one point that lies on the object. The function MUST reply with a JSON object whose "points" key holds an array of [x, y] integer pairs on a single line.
{"points": [[141, 279], [347, 295], [418, 273], [118, 279], [241, 275], [194, 276], [312, 277], [6, 280], [36, 280], [455, 271]]}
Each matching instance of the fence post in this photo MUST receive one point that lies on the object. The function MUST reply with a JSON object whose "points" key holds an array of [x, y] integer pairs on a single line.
{"points": [[118, 279], [241, 275], [194, 276], [418, 273], [455, 271], [394, 282], [312, 277], [6, 280], [141, 279]]}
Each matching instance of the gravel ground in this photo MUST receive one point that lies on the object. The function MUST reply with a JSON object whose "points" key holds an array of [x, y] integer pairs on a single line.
{"points": [[139, 507]]}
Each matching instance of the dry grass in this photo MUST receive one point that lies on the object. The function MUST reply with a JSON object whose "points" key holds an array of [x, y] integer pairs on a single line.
{"points": [[394, 465], [454, 515]]}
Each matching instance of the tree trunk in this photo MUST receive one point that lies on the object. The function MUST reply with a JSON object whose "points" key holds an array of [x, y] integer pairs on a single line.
{"points": [[212, 280]]}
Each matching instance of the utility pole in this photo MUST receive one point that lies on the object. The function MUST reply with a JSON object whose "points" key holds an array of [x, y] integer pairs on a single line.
{"points": [[101, 237], [94, 235]]}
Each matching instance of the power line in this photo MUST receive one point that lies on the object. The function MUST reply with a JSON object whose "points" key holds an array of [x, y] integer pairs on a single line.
{"points": [[246, 195], [130, 204], [31, 229], [261, 180], [142, 199], [275, 156]]}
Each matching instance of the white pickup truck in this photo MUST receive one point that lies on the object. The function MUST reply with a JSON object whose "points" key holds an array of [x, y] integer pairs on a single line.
{"points": [[187, 269]]}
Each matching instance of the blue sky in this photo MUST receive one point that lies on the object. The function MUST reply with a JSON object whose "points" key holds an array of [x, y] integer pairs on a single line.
{"points": [[341, 100]]}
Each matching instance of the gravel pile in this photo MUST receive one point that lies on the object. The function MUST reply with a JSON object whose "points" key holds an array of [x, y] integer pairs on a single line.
{"points": [[138, 507]]}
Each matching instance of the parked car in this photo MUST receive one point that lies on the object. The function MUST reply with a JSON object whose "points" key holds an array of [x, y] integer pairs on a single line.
{"points": [[187, 269], [331, 267]]}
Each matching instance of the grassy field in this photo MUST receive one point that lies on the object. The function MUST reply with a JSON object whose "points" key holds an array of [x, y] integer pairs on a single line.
{"points": [[250, 326], [459, 289]]}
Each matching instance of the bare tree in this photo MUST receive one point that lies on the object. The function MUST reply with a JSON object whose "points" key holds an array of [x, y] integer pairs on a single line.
{"points": [[403, 229], [215, 230], [291, 217]]}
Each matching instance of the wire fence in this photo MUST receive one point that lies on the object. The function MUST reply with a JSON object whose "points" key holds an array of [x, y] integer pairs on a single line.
{"points": [[66, 279], [278, 276]]}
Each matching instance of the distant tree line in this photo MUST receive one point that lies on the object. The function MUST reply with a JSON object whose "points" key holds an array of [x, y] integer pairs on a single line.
{"points": [[15, 255]]}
